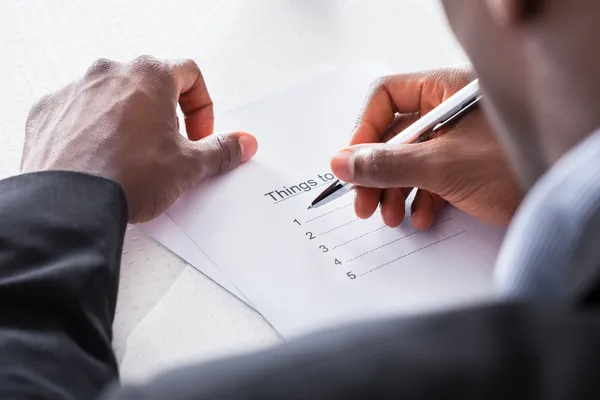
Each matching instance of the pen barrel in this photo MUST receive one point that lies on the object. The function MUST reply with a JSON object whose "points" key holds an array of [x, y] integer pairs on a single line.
{"points": [[446, 110]]}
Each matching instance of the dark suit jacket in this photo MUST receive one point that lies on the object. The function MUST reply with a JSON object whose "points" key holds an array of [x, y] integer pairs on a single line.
{"points": [[60, 245]]}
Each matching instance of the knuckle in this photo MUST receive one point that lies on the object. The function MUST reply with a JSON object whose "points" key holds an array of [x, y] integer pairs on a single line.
{"points": [[464, 73], [36, 111], [150, 65], [101, 66], [457, 78], [40, 105], [378, 84], [452, 79], [228, 152], [375, 87], [152, 72], [225, 151], [191, 65], [376, 165], [382, 165]]}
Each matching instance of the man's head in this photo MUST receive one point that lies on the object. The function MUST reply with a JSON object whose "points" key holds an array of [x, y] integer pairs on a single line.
{"points": [[539, 67]]}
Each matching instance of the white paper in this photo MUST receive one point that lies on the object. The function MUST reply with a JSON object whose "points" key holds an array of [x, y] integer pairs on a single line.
{"points": [[165, 231], [305, 270]]}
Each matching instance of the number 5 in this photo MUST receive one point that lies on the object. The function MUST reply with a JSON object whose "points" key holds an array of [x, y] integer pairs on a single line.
{"points": [[351, 275]]}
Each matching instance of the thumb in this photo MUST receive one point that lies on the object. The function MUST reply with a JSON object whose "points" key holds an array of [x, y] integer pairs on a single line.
{"points": [[387, 166], [219, 153]]}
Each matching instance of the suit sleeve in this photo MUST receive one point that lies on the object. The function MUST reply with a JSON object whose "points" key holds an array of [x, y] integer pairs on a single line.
{"points": [[61, 236]]}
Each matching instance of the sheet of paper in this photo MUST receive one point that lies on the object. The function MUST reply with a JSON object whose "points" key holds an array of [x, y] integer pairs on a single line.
{"points": [[165, 231], [306, 270]]}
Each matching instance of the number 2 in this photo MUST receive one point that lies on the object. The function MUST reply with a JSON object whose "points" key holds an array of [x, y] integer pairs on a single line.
{"points": [[310, 235]]}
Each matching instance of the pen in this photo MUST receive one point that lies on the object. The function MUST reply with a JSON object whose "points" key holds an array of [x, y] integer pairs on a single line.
{"points": [[448, 111]]}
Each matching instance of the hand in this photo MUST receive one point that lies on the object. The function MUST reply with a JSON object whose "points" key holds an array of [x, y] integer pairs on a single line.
{"points": [[119, 122], [464, 166]]}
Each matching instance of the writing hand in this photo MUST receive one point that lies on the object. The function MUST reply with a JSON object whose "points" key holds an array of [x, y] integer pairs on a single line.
{"points": [[119, 122], [465, 166]]}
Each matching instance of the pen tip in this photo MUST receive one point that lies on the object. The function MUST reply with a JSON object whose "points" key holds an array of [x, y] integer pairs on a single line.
{"points": [[309, 207]]}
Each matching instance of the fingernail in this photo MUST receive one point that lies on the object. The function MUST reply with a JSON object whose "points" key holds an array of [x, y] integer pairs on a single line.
{"points": [[342, 165], [249, 146]]}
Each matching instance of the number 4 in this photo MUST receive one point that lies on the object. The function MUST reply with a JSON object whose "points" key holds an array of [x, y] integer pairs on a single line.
{"points": [[338, 262]]}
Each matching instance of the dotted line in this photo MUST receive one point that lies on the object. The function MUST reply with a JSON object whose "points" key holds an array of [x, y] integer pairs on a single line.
{"points": [[382, 246], [413, 252], [341, 226], [363, 235], [327, 213], [395, 240]]}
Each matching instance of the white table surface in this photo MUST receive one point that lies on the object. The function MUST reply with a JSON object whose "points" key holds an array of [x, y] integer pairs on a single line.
{"points": [[168, 313]]}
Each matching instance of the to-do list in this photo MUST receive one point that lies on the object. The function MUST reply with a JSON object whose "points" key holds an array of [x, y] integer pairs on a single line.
{"points": [[310, 269]]}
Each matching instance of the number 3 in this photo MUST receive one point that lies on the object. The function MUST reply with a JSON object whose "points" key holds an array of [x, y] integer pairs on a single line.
{"points": [[325, 249]]}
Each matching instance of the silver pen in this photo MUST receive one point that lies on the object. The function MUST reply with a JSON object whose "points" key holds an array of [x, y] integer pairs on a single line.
{"points": [[448, 111]]}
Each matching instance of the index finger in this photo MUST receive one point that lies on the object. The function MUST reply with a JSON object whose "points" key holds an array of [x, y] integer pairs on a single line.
{"points": [[413, 93], [387, 96], [194, 99]]}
